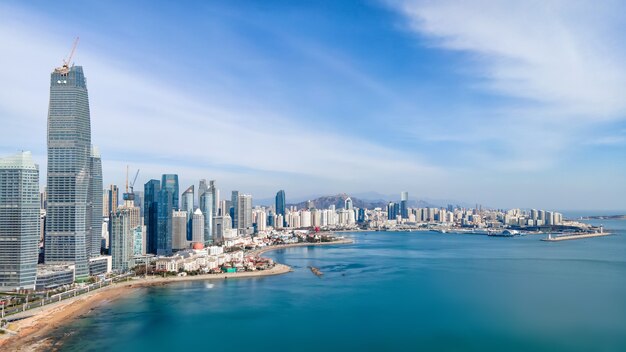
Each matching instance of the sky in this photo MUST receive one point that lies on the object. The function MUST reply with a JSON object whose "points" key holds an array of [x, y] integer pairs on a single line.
{"points": [[506, 104]]}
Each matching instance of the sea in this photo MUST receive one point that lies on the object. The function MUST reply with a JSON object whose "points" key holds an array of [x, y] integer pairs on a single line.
{"points": [[389, 291]]}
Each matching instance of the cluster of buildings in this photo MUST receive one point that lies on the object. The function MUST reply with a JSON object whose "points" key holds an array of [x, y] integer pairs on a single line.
{"points": [[74, 230], [458, 217]]}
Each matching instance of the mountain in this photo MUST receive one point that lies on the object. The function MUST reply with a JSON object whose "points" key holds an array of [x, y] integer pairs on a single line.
{"points": [[339, 201], [369, 200]]}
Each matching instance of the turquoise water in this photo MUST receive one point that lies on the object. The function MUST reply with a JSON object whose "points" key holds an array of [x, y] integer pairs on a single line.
{"points": [[389, 291]]}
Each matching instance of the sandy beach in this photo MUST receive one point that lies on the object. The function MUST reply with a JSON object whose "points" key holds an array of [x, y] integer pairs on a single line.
{"points": [[34, 327]]}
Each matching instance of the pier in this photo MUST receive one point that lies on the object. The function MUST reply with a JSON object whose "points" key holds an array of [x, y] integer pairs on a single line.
{"points": [[574, 237]]}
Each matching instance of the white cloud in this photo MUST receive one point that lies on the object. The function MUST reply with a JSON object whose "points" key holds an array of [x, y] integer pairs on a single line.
{"points": [[559, 53]]}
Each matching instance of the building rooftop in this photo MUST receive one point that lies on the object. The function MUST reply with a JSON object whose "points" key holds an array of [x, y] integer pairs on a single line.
{"points": [[22, 160]]}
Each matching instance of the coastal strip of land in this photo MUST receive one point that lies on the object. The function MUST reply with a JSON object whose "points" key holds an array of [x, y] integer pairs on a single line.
{"points": [[575, 237], [31, 330]]}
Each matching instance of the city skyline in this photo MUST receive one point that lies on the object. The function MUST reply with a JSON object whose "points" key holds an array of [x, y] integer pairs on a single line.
{"points": [[562, 158]]}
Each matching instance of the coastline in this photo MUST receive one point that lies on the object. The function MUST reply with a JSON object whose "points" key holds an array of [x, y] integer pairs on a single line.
{"points": [[34, 327]]}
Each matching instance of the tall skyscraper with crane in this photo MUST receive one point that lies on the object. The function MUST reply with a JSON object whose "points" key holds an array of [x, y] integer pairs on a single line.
{"points": [[69, 151]]}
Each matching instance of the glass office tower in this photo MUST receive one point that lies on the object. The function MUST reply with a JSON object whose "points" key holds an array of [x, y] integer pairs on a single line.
{"points": [[206, 207], [170, 183], [164, 223], [150, 205], [235, 209], [19, 222], [69, 151], [187, 200], [280, 203]]}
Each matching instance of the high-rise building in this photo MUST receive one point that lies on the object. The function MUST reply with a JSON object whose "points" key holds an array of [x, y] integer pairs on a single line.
{"points": [[105, 203], [150, 206], [348, 204], [202, 187], [95, 191], [216, 196], [222, 227], [244, 212], [179, 230], [392, 211], [114, 199], [206, 206], [187, 200], [170, 183], [139, 243], [280, 203], [69, 150], [197, 233], [19, 222], [114, 193], [234, 198], [404, 210], [122, 239], [164, 223]]}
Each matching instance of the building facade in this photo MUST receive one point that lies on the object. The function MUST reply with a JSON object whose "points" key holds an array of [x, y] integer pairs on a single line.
{"points": [[187, 201], [170, 183], [122, 239], [69, 150], [150, 206], [95, 191], [206, 207], [164, 222], [19, 222]]}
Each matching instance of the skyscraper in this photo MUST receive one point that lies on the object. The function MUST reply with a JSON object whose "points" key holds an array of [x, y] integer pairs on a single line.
{"points": [[280, 203], [170, 183], [235, 209], [202, 187], [164, 223], [392, 210], [69, 150], [198, 227], [150, 206], [215, 193], [244, 212], [114, 199], [404, 210], [179, 230], [19, 222], [122, 239], [95, 191], [206, 206], [187, 200]]}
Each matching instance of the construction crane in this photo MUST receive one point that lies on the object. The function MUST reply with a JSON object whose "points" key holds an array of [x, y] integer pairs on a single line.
{"points": [[130, 194], [68, 61]]}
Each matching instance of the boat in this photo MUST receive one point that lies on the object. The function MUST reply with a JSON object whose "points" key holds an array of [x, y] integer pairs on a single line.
{"points": [[505, 233]]}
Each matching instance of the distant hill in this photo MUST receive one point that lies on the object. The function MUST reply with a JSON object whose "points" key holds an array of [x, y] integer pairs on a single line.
{"points": [[340, 199], [369, 200]]}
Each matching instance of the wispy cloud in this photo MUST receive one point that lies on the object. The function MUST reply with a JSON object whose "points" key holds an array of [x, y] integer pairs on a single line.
{"points": [[150, 122], [560, 54]]}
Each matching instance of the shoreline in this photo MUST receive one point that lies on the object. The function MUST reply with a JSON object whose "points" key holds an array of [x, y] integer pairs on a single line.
{"points": [[34, 327]]}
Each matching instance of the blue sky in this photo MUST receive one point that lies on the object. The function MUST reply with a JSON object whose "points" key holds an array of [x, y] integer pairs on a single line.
{"points": [[508, 105]]}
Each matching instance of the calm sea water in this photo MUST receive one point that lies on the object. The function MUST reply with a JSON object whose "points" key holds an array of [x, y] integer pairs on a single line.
{"points": [[389, 291]]}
